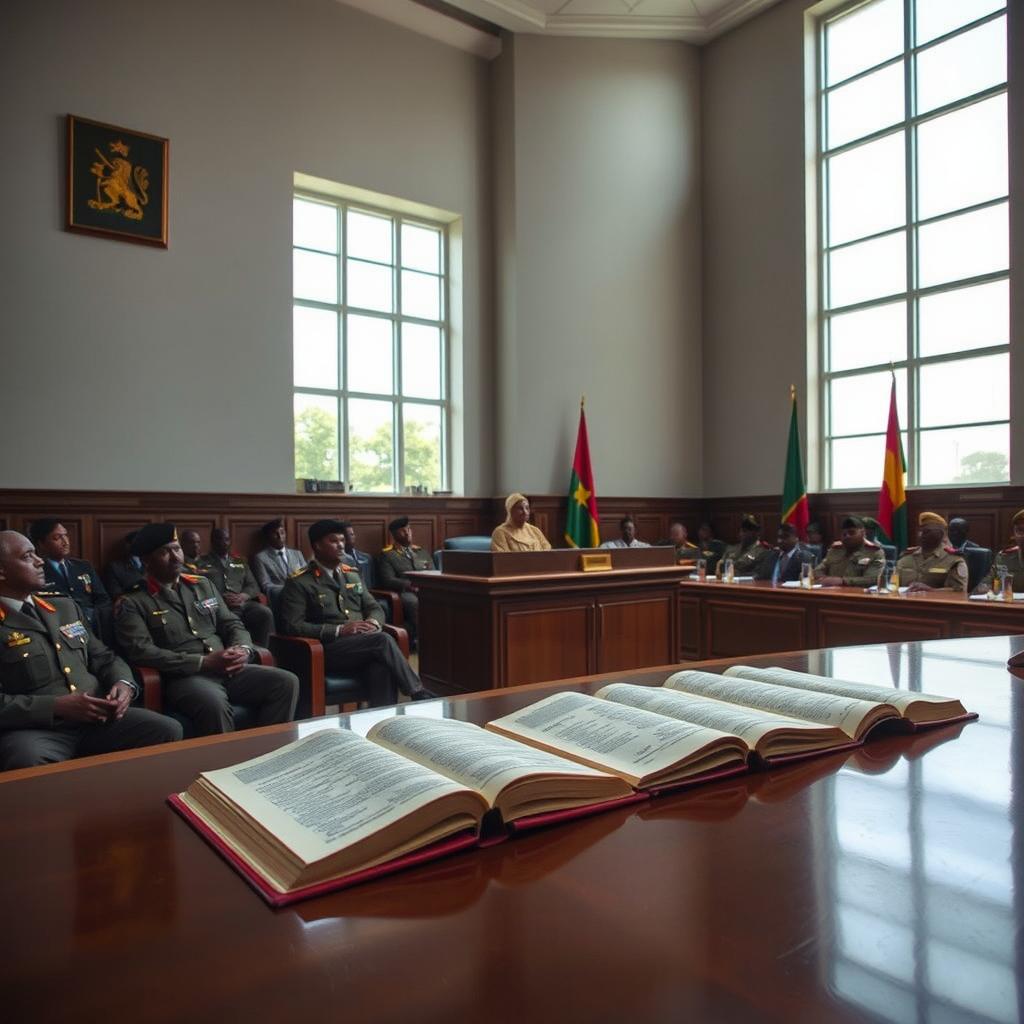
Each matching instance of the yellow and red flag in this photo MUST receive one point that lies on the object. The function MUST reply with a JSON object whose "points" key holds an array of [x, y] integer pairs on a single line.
{"points": [[892, 499], [581, 521]]}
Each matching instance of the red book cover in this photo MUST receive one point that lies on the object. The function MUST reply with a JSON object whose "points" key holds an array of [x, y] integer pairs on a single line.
{"points": [[442, 848]]}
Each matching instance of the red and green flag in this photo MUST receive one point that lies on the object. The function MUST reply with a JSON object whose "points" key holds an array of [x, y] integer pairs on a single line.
{"points": [[581, 529], [795, 509], [892, 499]]}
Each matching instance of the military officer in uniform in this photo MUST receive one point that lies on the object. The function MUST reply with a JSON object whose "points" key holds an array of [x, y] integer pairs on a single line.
{"points": [[230, 574], [398, 558], [1009, 559], [751, 556], [123, 573], [63, 693], [71, 577], [329, 602], [179, 624], [191, 549], [686, 551], [933, 565], [852, 561], [710, 547]]}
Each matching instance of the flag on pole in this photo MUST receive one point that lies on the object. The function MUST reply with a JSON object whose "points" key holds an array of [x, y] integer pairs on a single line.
{"points": [[892, 499], [581, 529], [795, 509]]}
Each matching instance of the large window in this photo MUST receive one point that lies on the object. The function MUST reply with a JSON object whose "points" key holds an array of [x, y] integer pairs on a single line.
{"points": [[370, 340], [914, 271]]}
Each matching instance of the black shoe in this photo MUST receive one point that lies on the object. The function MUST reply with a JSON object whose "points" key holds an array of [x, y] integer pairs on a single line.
{"points": [[423, 694]]}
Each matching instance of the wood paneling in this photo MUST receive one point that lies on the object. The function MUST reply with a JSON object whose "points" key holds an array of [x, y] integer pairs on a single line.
{"points": [[845, 627], [733, 628], [635, 632], [689, 627], [546, 642]]}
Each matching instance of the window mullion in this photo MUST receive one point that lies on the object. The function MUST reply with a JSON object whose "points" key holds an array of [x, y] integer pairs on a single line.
{"points": [[910, 170]]}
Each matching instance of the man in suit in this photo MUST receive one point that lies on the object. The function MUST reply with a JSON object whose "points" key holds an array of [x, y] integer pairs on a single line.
{"points": [[958, 540], [276, 562], [329, 602], [360, 559], [853, 561], [397, 559], [179, 624], [123, 573], [786, 560], [230, 574], [71, 577], [63, 693]]}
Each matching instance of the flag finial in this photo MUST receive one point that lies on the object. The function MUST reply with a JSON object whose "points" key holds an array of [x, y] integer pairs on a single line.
{"points": [[583, 401], [792, 392]]}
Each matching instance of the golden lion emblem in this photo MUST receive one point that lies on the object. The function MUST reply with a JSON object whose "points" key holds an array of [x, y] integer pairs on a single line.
{"points": [[124, 186]]}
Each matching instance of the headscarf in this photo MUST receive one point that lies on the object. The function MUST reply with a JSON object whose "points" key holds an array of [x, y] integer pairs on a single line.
{"points": [[510, 503]]}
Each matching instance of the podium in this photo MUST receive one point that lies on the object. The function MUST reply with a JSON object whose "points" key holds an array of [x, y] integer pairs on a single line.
{"points": [[495, 619]]}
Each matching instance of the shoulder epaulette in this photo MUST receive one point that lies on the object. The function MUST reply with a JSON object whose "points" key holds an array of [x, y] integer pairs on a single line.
{"points": [[837, 544], [416, 547], [687, 544], [871, 544], [764, 544], [1010, 550], [951, 550], [44, 604], [3, 611], [189, 578], [299, 572], [347, 568], [390, 547], [913, 550]]}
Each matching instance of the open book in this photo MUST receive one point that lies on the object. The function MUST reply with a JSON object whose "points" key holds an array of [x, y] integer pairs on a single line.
{"points": [[916, 710], [333, 808]]}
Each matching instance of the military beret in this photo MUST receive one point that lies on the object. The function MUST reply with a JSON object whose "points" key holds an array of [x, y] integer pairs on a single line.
{"points": [[41, 528], [398, 524], [852, 523], [931, 519], [1018, 518], [268, 528], [153, 536], [749, 522], [322, 527]]}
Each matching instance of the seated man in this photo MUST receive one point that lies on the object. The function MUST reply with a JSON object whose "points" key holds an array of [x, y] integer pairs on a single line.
{"points": [[71, 577], [123, 573], [853, 561], [231, 575], [678, 537], [787, 558], [360, 559], [710, 548], [63, 694], [750, 554], [1008, 559], [276, 562], [932, 565], [958, 540], [179, 624], [627, 536], [398, 558], [329, 602]]}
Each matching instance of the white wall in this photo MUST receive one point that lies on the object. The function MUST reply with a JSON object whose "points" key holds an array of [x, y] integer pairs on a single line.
{"points": [[133, 368], [755, 276], [598, 248]]}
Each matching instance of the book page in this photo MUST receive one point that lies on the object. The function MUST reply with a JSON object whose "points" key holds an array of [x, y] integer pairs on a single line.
{"points": [[751, 724], [900, 699], [328, 791], [471, 756], [630, 742], [845, 713]]}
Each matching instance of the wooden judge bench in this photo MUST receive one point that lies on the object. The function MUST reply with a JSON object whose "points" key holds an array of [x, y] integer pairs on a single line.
{"points": [[493, 619]]}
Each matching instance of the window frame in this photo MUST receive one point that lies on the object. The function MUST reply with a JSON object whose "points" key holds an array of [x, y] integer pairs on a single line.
{"points": [[912, 362], [343, 394]]}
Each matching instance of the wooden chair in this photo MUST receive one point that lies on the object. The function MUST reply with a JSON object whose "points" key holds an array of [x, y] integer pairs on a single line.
{"points": [[152, 697], [305, 657]]}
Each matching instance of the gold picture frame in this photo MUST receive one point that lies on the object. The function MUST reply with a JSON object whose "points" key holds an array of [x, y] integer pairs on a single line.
{"points": [[117, 182]]}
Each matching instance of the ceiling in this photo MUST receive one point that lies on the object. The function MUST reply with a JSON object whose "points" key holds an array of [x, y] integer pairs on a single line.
{"points": [[695, 21]]}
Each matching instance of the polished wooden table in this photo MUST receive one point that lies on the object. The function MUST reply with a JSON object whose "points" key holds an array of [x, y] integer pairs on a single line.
{"points": [[718, 620], [874, 886], [502, 619]]}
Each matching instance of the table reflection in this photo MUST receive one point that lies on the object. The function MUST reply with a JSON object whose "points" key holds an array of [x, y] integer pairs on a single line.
{"points": [[917, 861]]}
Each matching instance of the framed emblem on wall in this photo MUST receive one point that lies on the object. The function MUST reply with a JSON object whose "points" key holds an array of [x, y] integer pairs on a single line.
{"points": [[117, 182]]}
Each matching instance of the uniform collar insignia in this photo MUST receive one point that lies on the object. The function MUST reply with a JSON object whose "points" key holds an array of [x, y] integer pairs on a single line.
{"points": [[45, 605], [188, 578], [152, 586]]}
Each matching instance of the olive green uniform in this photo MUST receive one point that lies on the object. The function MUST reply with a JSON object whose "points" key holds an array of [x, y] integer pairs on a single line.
{"points": [[314, 604], [392, 565], [172, 629], [687, 552], [1009, 558], [50, 654], [858, 568], [711, 552], [232, 575], [942, 569], [749, 560]]}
